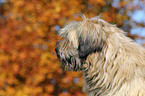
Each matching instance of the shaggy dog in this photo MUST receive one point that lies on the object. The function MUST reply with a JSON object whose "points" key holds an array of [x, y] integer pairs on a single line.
{"points": [[112, 64]]}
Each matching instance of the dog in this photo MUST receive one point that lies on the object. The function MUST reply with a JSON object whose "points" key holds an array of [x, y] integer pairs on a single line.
{"points": [[112, 63]]}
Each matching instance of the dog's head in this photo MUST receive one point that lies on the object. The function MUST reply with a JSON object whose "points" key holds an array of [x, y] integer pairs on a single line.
{"points": [[80, 40]]}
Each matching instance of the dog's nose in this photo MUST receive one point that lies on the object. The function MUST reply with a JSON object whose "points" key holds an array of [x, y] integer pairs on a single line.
{"points": [[57, 52], [56, 49]]}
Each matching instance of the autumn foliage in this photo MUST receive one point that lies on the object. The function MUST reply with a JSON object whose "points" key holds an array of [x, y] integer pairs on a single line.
{"points": [[28, 34]]}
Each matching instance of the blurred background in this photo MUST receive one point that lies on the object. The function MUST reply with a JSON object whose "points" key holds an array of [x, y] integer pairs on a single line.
{"points": [[28, 34]]}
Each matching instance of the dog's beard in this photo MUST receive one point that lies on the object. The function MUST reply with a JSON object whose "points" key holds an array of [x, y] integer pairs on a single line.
{"points": [[72, 64]]}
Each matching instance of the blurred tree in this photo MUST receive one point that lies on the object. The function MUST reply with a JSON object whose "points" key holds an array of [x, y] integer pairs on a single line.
{"points": [[28, 63]]}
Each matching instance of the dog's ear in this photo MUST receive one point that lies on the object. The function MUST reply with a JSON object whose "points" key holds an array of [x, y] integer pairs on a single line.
{"points": [[87, 47]]}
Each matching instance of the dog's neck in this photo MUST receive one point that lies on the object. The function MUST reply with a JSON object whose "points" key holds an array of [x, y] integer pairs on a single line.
{"points": [[98, 80]]}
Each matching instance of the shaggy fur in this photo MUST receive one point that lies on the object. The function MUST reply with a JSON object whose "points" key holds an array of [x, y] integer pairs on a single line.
{"points": [[112, 64]]}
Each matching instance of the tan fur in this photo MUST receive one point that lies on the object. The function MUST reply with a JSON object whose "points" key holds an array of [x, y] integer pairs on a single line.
{"points": [[117, 70]]}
